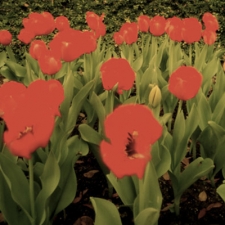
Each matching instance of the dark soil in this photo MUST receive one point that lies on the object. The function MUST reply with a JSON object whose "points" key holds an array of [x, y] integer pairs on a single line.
{"points": [[91, 182]]}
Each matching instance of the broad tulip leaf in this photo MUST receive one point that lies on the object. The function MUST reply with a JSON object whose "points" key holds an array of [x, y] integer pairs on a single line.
{"points": [[67, 187], [77, 103], [89, 135], [68, 93], [200, 60], [210, 139], [149, 191], [161, 159], [49, 180], [105, 212], [2, 58], [221, 191], [148, 216], [77, 144], [7, 73], [125, 188], [18, 70], [195, 170], [7, 205], [99, 109], [33, 64], [15, 178]]}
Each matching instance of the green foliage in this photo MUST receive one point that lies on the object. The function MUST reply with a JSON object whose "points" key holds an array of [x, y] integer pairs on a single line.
{"points": [[116, 13]]}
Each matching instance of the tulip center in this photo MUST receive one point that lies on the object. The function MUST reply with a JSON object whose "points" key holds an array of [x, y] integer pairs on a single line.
{"points": [[24, 132], [131, 145]]}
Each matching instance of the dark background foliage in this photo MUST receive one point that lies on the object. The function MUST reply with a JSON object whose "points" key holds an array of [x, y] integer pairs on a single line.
{"points": [[116, 13]]}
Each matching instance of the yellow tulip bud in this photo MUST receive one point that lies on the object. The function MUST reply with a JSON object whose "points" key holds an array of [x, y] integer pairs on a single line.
{"points": [[155, 96]]}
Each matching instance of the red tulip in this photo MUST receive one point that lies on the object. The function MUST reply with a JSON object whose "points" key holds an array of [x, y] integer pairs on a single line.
{"points": [[157, 25], [130, 146], [26, 36], [185, 82], [39, 24], [62, 23], [143, 23], [29, 114], [174, 27], [192, 29], [129, 31], [36, 48], [209, 36], [49, 62], [5, 37], [210, 21], [118, 71], [118, 38], [96, 24]]}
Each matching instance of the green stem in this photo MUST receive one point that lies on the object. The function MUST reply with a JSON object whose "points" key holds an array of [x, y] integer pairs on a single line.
{"points": [[190, 53], [31, 185]]}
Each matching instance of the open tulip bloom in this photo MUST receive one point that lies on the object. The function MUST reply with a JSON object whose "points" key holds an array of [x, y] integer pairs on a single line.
{"points": [[153, 102]]}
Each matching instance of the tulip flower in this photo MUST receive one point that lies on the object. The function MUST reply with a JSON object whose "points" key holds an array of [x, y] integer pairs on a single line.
{"points": [[143, 23], [192, 29], [157, 25], [49, 62], [118, 71], [209, 36], [36, 48], [96, 24], [185, 82], [29, 114], [174, 27], [5, 37], [130, 146], [26, 36], [210, 22], [62, 23]]}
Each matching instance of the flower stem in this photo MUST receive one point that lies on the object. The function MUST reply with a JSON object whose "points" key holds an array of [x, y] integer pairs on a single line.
{"points": [[31, 185]]}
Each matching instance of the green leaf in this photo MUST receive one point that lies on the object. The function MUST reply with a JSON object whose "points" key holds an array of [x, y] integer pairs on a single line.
{"points": [[105, 212], [18, 70], [2, 58], [125, 188], [7, 204], [221, 191], [15, 178], [99, 109], [76, 106], [195, 170], [78, 144], [148, 198], [89, 135], [210, 138], [148, 216], [49, 180], [161, 159]]}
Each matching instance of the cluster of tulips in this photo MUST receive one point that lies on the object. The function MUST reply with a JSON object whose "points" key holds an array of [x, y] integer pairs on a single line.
{"points": [[134, 144]]}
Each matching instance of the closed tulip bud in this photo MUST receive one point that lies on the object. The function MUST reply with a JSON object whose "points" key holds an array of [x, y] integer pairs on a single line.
{"points": [[155, 96]]}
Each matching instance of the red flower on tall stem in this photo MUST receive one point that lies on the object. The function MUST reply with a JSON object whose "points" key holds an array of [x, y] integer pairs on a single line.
{"points": [[210, 21], [192, 30], [29, 114], [132, 129], [185, 82], [96, 24], [26, 36], [62, 23], [49, 62], [143, 23], [36, 48], [157, 25], [174, 27], [5, 37], [209, 36], [118, 71]]}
